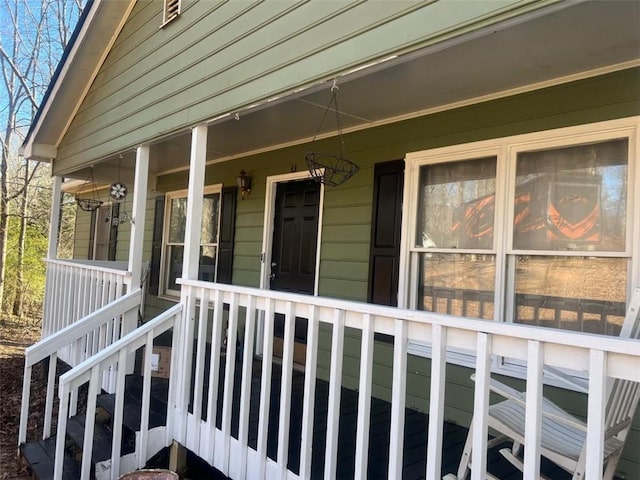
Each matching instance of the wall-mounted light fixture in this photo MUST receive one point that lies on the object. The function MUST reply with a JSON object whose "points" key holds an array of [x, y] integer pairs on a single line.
{"points": [[244, 183]]}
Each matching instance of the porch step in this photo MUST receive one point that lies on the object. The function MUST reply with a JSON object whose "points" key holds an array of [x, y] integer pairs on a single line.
{"points": [[39, 457], [102, 438], [133, 403]]}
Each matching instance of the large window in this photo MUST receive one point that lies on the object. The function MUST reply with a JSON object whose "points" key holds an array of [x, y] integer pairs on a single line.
{"points": [[456, 215], [175, 223], [535, 229], [568, 257]]}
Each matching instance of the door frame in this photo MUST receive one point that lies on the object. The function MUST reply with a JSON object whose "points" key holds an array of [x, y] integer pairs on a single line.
{"points": [[268, 223], [97, 225]]}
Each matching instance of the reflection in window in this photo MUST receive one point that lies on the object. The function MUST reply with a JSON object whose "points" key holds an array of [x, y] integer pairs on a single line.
{"points": [[572, 198], [573, 293], [177, 220], [457, 284], [457, 204]]}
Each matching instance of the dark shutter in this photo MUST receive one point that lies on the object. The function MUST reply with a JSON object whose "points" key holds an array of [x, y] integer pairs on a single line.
{"points": [[92, 233], [113, 232], [386, 220], [156, 247], [227, 234]]}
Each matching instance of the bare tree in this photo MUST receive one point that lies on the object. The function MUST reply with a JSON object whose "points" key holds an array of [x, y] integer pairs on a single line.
{"points": [[34, 35]]}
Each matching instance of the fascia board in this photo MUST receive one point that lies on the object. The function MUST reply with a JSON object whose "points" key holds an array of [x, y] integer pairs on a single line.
{"points": [[73, 61]]}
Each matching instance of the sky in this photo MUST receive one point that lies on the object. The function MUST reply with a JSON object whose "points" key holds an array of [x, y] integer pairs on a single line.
{"points": [[22, 40]]}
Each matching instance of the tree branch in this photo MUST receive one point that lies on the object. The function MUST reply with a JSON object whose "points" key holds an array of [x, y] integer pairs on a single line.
{"points": [[13, 66], [26, 184]]}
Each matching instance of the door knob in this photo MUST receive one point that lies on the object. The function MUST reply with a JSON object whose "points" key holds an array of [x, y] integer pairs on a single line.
{"points": [[273, 273]]}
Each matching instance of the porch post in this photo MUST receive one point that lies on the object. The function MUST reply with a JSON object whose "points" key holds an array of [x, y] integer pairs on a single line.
{"points": [[138, 216], [194, 202], [54, 222], [138, 210], [190, 271], [52, 254]]}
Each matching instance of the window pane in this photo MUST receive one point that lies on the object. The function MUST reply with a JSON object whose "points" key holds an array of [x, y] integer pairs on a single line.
{"points": [[572, 198], [457, 203], [177, 220], [176, 254], [457, 284], [207, 267], [573, 293], [209, 229]]}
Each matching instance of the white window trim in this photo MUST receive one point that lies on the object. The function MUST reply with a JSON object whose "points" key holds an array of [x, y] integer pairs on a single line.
{"points": [[506, 149], [164, 291]]}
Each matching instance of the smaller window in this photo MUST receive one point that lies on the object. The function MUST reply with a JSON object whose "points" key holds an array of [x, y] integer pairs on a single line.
{"points": [[176, 211], [171, 10]]}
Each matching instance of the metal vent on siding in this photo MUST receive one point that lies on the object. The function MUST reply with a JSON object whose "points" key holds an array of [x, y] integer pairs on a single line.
{"points": [[171, 10]]}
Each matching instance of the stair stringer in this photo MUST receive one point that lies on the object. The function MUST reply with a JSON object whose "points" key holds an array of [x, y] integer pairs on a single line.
{"points": [[129, 462]]}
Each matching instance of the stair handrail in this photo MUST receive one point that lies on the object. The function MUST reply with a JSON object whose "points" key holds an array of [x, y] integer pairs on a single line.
{"points": [[89, 371], [70, 336]]}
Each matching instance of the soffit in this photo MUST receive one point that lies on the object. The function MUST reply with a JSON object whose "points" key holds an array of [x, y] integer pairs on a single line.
{"points": [[78, 69]]}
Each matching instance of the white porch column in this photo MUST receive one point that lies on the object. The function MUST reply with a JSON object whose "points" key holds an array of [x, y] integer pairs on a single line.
{"points": [[190, 271], [54, 222], [130, 320], [138, 216], [52, 254], [194, 202]]}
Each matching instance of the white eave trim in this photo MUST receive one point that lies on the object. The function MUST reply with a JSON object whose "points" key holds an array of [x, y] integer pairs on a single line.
{"points": [[39, 151], [29, 147]]}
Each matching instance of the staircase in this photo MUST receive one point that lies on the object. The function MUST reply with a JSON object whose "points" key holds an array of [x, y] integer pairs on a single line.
{"points": [[110, 420], [39, 455]]}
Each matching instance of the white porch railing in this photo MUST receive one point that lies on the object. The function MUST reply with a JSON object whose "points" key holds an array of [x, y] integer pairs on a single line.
{"points": [[117, 357], [76, 288], [212, 312], [79, 341]]}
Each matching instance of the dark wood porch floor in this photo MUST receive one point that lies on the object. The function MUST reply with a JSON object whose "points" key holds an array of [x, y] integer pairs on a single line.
{"points": [[415, 433]]}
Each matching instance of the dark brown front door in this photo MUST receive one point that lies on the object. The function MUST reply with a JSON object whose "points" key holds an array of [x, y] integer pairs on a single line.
{"points": [[293, 259], [295, 235]]}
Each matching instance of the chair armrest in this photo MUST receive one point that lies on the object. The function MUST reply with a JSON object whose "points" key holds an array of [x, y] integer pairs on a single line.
{"points": [[575, 383], [504, 390], [549, 409]]}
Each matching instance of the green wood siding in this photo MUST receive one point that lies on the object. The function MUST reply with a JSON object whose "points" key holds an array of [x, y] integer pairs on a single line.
{"points": [[220, 56]]}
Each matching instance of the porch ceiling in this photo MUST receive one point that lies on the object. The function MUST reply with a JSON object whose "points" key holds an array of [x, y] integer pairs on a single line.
{"points": [[569, 39]]}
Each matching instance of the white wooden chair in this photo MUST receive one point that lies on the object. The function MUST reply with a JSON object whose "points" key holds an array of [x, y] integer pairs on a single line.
{"points": [[563, 437]]}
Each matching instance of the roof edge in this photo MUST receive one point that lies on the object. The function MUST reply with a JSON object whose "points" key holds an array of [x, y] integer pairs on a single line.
{"points": [[57, 75]]}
